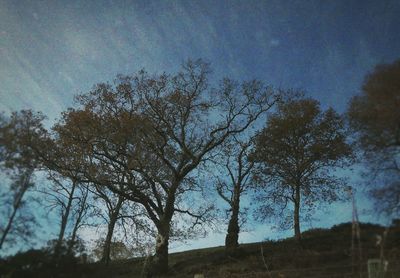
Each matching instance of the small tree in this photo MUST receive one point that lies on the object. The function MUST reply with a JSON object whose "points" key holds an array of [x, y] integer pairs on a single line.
{"points": [[236, 165], [59, 195], [120, 215], [113, 206], [126, 225], [118, 250], [297, 153], [375, 118]]}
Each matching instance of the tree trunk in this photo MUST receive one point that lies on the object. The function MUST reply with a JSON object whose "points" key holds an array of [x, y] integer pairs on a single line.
{"points": [[71, 243], [297, 233], [110, 231], [17, 204], [64, 221], [10, 220], [232, 236], [81, 213], [107, 243], [159, 263]]}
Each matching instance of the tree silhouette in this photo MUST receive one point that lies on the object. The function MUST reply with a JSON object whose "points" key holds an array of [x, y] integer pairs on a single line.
{"points": [[17, 134], [117, 212], [154, 131], [296, 154], [19, 222], [375, 117], [235, 163]]}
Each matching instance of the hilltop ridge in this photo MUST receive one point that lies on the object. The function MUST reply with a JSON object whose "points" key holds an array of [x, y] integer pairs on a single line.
{"points": [[321, 253]]}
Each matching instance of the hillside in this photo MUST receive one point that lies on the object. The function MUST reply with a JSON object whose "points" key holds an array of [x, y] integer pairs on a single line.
{"points": [[322, 253]]}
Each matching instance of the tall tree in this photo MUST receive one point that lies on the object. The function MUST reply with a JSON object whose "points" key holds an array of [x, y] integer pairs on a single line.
{"points": [[17, 221], [375, 117], [236, 165], [81, 214], [157, 130], [59, 195], [66, 192], [297, 153], [17, 133], [113, 204], [26, 146]]}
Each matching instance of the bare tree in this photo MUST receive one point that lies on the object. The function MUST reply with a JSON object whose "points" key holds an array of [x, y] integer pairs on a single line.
{"points": [[236, 164], [60, 196], [81, 214], [71, 201], [296, 155], [66, 192], [113, 204], [157, 130], [119, 214]]}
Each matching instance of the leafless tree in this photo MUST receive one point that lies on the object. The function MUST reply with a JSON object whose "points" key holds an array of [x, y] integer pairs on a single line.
{"points": [[71, 200], [234, 184]]}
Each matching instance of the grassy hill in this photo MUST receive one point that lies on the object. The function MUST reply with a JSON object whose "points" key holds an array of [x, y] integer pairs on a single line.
{"points": [[322, 253]]}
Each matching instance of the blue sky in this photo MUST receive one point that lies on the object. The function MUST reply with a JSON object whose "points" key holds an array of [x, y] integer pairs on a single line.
{"points": [[52, 50]]}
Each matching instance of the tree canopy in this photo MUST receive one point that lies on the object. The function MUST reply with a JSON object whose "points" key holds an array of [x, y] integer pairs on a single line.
{"points": [[296, 155], [145, 136], [374, 115]]}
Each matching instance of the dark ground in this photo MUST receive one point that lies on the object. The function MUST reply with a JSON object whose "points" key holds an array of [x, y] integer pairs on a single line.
{"points": [[322, 253]]}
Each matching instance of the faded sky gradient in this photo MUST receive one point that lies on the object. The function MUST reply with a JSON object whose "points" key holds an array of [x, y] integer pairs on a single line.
{"points": [[52, 50]]}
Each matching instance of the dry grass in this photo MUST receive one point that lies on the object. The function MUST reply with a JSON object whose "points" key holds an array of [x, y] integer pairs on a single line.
{"points": [[322, 253]]}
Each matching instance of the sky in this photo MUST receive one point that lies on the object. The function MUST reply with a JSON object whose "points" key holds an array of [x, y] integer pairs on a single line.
{"points": [[52, 50]]}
